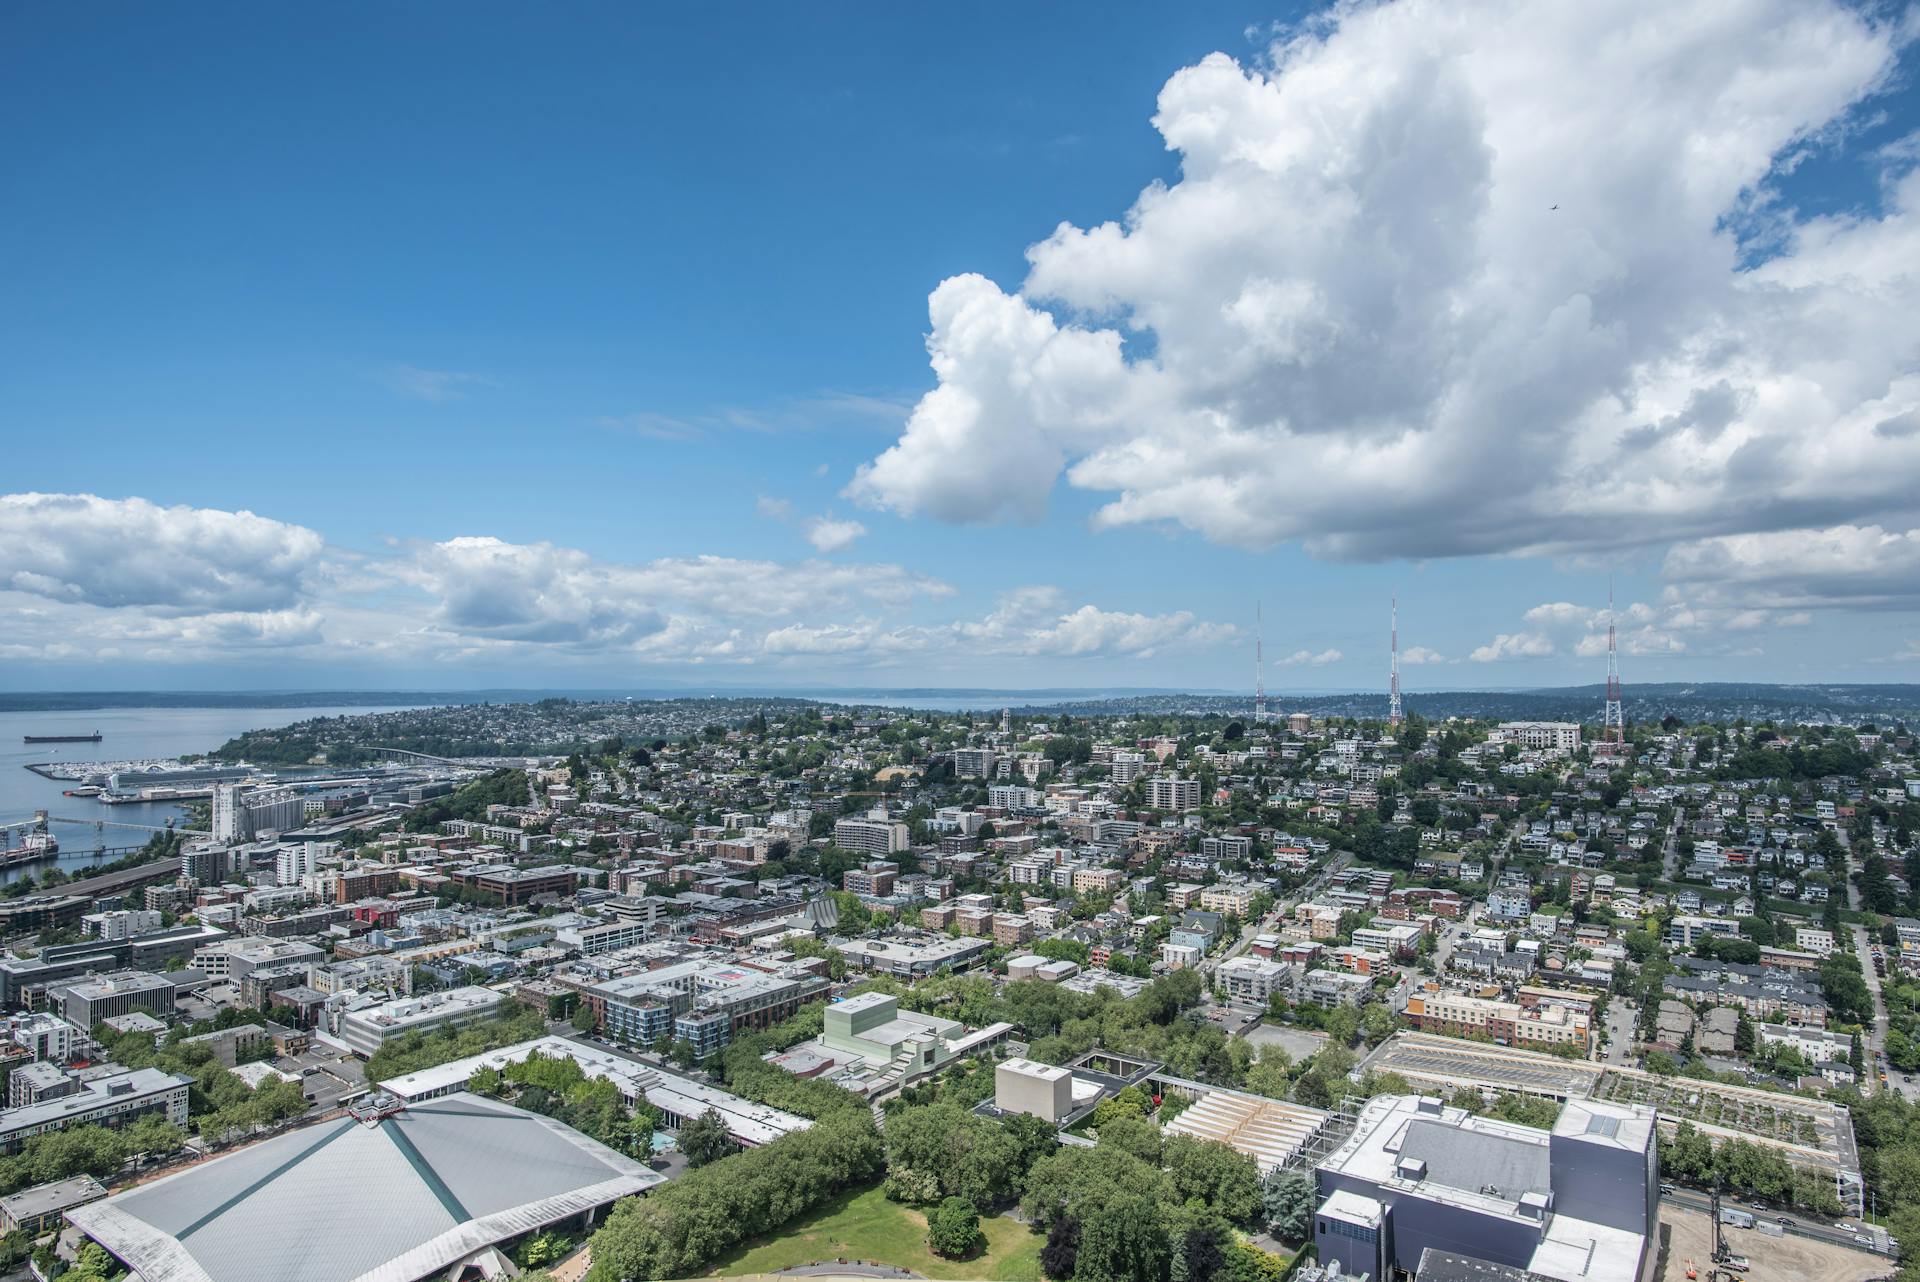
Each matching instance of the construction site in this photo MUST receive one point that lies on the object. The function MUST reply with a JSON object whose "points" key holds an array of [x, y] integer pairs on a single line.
{"points": [[1689, 1243]]}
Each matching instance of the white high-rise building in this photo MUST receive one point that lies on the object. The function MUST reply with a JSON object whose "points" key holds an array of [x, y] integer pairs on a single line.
{"points": [[291, 864], [871, 836], [226, 813]]}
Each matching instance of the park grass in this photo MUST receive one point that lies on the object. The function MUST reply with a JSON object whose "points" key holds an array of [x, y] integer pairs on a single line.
{"points": [[864, 1225]]}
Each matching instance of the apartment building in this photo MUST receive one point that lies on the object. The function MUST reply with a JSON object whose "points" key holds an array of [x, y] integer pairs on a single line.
{"points": [[1098, 881], [1229, 901], [875, 837], [1010, 929], [1507, 1023], [974, 763], [105, 1101], [874, 879], [1171, 792], [1254, 980], [1229, 846], [1538, 736]]}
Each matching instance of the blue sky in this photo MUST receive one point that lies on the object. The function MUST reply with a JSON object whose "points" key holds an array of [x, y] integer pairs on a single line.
{"points": [[574, 347]]}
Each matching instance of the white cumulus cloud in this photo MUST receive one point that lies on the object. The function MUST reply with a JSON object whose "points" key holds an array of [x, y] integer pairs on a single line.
{"points": [[1310, 659], [1413, 296], [830, 533], [1513, 645], [88, 550]]}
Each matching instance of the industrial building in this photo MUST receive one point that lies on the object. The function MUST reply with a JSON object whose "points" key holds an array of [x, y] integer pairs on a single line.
{"points": [[389, 1193], [1577, 1204]]}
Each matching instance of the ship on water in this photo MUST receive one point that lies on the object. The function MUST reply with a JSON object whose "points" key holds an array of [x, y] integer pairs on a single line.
{"points": [[36, 846], [95, 737]]}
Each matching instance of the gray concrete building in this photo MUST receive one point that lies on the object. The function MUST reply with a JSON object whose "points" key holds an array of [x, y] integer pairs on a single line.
{"points": [[1577, 1204]]}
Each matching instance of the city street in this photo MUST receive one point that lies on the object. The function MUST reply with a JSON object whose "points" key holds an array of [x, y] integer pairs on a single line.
{"points": [[1622, 1015], [1308, 890], [1876, 1048]]}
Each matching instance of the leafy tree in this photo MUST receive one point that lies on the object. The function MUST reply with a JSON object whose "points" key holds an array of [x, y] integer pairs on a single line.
{"points": [[1215, 1174], [1287, 1196], [705, 1139], [1136, 1135], [1061, 1255], [1129, 1101], [945, 1150], [91, 1263], [1123, 1240], [1071, 1181], [953, 1229], [678, 1229]]}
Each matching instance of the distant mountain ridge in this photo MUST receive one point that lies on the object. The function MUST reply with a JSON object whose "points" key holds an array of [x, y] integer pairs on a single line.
{"points": [[1823, 704]]}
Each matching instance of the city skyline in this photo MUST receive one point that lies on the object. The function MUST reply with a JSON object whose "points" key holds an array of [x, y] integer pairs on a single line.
{"points": [[596, 352]]}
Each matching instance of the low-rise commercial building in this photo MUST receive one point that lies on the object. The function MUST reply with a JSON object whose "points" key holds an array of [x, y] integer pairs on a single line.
{"points": [[85, 1002], [367, 1029]]}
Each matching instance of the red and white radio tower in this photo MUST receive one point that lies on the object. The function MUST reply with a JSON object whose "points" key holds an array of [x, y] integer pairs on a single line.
{"points": [[1394, 717], [1614, 720]]}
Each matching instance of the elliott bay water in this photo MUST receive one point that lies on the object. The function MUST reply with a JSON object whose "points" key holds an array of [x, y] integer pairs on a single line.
{"points": [[128, 734]]}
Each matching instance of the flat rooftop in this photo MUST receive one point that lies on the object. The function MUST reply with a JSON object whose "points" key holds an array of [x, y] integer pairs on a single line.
{"points": [[747, 1121]]}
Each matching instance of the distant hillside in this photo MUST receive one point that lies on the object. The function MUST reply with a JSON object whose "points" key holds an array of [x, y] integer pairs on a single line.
{"points": [[1819, 704], [1690, 702]]}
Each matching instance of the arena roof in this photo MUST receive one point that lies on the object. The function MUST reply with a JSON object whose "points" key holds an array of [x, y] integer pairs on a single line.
{"points": [[394, 1198]]}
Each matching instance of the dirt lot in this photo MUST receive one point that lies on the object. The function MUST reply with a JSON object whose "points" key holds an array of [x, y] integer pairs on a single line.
{"points": [[1775, 1259]]}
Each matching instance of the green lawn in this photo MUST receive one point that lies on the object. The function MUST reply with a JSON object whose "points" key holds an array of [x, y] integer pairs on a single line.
{"points": [[865, 1226]]}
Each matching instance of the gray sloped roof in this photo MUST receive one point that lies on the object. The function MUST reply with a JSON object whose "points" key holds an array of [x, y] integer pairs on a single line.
{"points": [[346, 1201]]}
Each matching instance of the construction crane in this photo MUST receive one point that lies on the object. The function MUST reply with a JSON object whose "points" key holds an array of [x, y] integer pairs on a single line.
{"points": [[1727, 1267]]}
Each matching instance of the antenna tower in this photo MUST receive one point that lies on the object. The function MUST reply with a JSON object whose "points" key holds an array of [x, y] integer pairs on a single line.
{"points": [[1259, 666], [1614, 721], [1394, 716]]}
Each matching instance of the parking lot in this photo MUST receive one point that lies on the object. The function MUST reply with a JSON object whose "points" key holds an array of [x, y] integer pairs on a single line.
{"points": [[1298, 1043]]}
